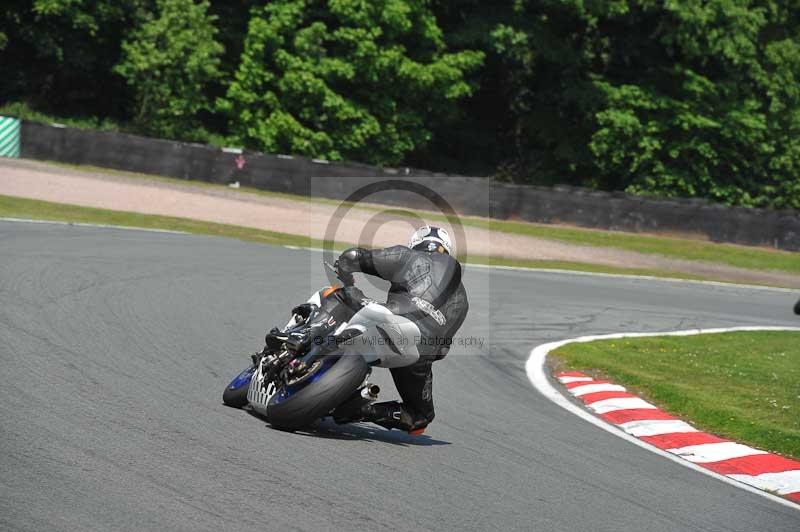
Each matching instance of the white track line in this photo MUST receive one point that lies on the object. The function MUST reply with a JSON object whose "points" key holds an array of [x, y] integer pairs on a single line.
{"points": [[482, 266], [537, 374], [639, 277], [600, 274]]}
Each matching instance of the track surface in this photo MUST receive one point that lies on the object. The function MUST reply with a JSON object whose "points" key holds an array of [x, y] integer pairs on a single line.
{"points": [[115, 346]]}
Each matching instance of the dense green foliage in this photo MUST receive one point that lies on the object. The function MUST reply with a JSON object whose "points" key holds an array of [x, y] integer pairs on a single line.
{"points": [[709, 115], [168, 61], [695, 98], [361, 79], [59, 54]]}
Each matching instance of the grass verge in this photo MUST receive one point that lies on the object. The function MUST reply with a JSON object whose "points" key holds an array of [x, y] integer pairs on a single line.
{"points": [[740, 385], [14, 207], [753, 258]]}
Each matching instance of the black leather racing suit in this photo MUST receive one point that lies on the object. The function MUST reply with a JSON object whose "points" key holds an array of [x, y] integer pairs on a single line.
{"points": [[425, 288]]}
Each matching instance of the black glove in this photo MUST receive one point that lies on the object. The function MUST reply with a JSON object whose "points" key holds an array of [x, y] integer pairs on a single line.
{"points": [[344, 276], [349, 261], [304, 310], [273, 340], [298, 341]]}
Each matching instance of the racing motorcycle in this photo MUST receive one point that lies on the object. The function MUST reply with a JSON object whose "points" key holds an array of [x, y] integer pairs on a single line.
{"points": [[321, 360]]}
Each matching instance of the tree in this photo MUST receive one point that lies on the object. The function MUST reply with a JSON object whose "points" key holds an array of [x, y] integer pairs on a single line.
{"points": [[58, 54], [477, 135], [693, 98], [169, 63], [547, 50], [356, 79], [713, 108]]}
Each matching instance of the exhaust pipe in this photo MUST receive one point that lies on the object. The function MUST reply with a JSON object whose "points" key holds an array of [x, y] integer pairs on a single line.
{"points": [[370, 392]]}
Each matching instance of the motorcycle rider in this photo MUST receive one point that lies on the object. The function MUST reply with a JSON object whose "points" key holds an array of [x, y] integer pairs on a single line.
{"points": [[425, 288]]}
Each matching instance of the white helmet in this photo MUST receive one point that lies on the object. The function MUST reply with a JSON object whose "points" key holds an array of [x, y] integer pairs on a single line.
{"points": [[429, 238]]}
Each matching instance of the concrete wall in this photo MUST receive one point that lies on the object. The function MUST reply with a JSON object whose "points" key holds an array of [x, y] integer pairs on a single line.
{"points": [[467, 195]]}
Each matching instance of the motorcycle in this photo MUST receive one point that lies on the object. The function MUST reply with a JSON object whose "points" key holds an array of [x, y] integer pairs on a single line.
{"points": [[322, 359]]}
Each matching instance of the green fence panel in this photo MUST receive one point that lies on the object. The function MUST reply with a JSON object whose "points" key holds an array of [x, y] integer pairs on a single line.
{"points": [[9, 136]]}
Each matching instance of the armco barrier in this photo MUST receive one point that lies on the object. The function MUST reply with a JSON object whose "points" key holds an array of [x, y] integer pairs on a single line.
{"points": [[468, 195]]}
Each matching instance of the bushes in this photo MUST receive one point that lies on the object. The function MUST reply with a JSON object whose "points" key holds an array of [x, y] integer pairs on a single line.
{"points": [[169, 63], [685, 98], [345, 79]]}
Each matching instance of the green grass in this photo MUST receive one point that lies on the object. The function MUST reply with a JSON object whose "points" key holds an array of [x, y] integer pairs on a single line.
{"points": [[753, 258], [741, 385], [14, 207]]}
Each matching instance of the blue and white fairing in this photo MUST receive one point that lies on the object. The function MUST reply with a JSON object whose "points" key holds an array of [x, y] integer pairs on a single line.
{"points": [[386, 340], [383, 339]]}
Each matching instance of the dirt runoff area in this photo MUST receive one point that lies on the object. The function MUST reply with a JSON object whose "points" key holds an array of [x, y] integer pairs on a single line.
{"points": [[364, 226]]}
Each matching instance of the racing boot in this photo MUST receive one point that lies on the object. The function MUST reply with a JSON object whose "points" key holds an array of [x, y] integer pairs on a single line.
{"points": [[392, 415], [351, 411]]}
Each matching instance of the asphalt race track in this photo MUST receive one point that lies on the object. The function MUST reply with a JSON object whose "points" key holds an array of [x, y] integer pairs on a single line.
{"points": [[116, 345]]}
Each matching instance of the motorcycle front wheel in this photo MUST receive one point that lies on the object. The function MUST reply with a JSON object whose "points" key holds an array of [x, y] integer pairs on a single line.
{"points": [[235, 394], [292, 407]]}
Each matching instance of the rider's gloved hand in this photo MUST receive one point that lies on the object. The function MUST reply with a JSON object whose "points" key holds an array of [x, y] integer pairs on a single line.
{"points": [[298, 341], [349, 261], [272, 340], [303, 310], [344, 276]]}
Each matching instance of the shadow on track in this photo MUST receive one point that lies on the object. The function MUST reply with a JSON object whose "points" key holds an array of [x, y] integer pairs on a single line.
{"points": [[364, 432]]}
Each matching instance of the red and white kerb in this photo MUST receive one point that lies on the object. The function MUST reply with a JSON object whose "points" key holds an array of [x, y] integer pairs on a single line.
{"points": [[645, 421]]}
